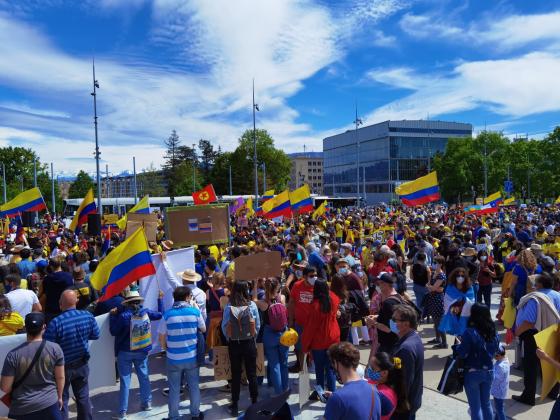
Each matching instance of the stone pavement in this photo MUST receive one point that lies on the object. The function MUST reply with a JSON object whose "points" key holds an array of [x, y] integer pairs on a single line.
{"points": [[214, 401]]}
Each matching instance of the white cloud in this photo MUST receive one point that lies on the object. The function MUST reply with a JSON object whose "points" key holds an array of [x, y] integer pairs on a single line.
{"points": [[280, 43], [502, 34], [514, 87], [382, 40]]}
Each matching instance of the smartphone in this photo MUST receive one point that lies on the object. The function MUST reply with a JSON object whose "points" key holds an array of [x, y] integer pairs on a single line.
{"points": [[321, 393]]}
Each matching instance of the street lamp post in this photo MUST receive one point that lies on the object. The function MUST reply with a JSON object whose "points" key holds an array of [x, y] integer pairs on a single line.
{"points": [[94, 94], [134, 180], [255, 108], [264, 177], [52, 190], [357, 122], [194, 168], [4, 181], [230, 184]]}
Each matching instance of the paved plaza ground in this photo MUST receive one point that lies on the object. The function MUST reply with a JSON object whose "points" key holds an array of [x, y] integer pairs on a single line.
{"points": [[214, 402]]}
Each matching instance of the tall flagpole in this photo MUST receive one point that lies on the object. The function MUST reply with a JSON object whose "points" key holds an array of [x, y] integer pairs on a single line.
{"points": [[94, 94], [255, 108]]}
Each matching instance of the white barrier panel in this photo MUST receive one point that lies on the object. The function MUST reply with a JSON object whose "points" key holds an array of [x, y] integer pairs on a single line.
{"points": [[101, 364]]}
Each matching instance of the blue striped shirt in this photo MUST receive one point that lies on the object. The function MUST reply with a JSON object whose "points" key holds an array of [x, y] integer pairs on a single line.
{"points": [[72, 330], [180, 325]]}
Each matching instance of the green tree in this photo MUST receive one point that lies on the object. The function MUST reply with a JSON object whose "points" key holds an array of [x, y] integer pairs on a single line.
{"points": [[151, 181], [219, 174], [172, 160], [183, 179], [208, 158], [80, 186]]}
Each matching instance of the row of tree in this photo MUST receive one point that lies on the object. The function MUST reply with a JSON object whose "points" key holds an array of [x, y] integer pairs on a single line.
{"points": [[530, 164]]}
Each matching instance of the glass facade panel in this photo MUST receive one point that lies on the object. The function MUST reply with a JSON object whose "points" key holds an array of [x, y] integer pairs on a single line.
{"points": [[416, 147], [429, 130]]}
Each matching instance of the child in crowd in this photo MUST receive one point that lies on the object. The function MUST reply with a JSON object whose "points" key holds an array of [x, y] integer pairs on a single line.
{"points": [[500, 384]]}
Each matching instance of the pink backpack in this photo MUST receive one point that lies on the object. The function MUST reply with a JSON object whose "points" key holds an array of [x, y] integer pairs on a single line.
{"points": [[277, 316]]}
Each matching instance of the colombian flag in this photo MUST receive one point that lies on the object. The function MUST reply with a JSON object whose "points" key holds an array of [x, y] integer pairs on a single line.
{"points": [[249, 207], [420, 191], [268, 195], [493, 198], [277, 206], [30, 200], [142, 207], [509, 202], [128, 262], [86, 207], [301, 200], [322, 209]]}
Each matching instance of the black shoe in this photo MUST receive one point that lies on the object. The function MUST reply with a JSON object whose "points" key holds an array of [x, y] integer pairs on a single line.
{"points": [[199, 417], [523, 400], [233, 410], [440, 346], [434, 341], [294, 368], [314, 396]]}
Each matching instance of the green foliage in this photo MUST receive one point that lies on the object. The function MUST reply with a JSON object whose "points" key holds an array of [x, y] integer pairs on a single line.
{"points": [[530, 164], [81, 185], [151, 182]]}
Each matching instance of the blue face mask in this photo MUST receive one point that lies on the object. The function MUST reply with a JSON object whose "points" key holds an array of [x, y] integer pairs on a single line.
{"points": [[394, 327], [374, 375], [343, 271]]}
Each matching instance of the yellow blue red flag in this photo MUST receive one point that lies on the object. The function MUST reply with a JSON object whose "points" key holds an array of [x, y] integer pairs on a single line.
{"points": [[301, 201], [128, 262], [30, 200], [142, 207], [87, 206], [319, 211], [420, 191], [277, 206], [493, 198]]}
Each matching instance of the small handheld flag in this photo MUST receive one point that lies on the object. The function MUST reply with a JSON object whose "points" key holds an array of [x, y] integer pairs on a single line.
{"points": [[205, 195]]}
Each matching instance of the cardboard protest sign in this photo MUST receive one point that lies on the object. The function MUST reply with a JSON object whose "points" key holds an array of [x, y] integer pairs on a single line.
{"points": [[197, 225], [110, 219], [261, 265], [222, 365], [149, 222]]}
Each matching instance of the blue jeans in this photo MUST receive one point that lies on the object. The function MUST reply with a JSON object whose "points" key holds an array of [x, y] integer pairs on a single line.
{"points": [[125, 361], [175, 372], [500, 412], [50, 413], [477, 388], [555, 413], [78, 378], [420, 292], [324, 370], [277, 357]]}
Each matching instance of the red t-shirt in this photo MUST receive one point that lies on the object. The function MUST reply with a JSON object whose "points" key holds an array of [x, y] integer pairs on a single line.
{"points": [[302, 294], [321, 330]]}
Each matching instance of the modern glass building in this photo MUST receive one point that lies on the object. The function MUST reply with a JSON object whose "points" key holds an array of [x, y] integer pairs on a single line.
{"points": [[384, 155]]}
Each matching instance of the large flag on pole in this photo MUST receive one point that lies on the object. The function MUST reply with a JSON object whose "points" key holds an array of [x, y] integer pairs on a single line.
{"points": [[30, 200], [277, 206], [142, 207], [493, 198], [301, 201], [420, 191], [128, 262], [319, 211], [87, 206]]}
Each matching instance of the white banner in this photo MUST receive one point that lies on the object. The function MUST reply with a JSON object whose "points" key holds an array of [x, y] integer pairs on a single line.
{"points": [[177, 261], [101, 364]]}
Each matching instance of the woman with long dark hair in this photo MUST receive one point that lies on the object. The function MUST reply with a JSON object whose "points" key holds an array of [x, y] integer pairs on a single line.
{"points": [[477, 346], [240, 325], [457, 301], [320, 331], [387, 373], [344, 314]]}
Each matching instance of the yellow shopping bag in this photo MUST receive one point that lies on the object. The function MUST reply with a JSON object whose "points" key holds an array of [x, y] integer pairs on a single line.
{"points": [[508, 317]]}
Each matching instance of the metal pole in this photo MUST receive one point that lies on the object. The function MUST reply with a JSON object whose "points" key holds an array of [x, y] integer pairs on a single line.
{"points": [[52, 190], [94, 94], [35, 173], [4, 181], [135, 184], [364, 186], [107, 179], [264, 177], [194, 168], [230, 184], [255, 150], [485, 171], [528, 180], [357, 157]]}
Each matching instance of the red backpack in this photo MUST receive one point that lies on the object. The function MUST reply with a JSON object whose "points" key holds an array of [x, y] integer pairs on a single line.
{"points": [[277, 316]]}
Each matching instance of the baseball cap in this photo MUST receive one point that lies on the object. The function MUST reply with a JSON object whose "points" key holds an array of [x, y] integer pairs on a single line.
{"points": [[34, 322], [385, 277]]}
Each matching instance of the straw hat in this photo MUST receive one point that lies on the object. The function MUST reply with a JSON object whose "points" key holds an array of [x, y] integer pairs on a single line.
{"points": [[189, 276], [132, 295], [469, 252]]}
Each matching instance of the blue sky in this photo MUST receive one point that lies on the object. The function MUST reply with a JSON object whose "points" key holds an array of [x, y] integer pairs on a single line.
{"points": [[189, 65]]}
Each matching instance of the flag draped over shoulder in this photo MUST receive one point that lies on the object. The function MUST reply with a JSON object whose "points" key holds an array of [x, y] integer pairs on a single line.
{"points": [[277, 206], [128, 262], [87, 206], [319, 211], [142, 207], [301, 201], [30, 200], [451, 323], [420, 191]]}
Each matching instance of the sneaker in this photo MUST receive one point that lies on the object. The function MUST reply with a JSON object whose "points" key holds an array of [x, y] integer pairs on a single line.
{"points": [[314, 396], [440, 346], [233, 410], [199, 417], [148, 407], [294, 368], [434, 341], [120, 416]]}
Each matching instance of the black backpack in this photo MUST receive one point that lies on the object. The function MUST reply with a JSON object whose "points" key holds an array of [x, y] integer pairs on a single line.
{"points": [[361, 309], [345, 318]]}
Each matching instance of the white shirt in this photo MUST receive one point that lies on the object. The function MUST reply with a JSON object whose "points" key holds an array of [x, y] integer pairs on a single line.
{"points": [[22, 301]]}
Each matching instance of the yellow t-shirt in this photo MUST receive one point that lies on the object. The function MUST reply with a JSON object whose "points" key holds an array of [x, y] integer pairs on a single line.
{"points": [[11, 324], [339, 230], [215, 252]]}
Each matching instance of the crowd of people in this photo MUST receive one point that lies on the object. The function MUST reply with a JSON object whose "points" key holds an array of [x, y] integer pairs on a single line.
{"points": [[352, 279]]}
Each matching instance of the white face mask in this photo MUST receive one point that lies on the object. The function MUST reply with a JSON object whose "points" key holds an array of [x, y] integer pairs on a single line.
{"points": [[312, 280], [460, 279], [483, 258]]}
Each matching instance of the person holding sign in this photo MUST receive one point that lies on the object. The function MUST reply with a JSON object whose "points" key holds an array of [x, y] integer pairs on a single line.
{"points": [[542, 355], [130, 324]]}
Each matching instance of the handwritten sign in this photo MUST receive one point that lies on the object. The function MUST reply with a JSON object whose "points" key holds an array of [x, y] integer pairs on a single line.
{"points": [[222, 365], [261, 265]]}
